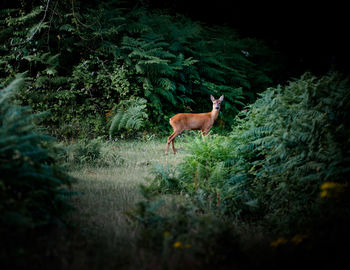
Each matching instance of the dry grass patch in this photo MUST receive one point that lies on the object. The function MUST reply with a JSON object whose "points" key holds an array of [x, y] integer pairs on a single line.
{"points": [[107, 193]]}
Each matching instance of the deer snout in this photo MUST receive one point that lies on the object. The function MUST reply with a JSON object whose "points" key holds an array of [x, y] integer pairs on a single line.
{"points": [[217, 107]]}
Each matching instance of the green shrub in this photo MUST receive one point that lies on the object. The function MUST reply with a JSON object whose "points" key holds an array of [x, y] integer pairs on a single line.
{"points": [[80, 65], [86, 152], [185, 236], [165, 180], [94, 153], [281, 150], [297, 140], [276, 191], [129, 116], [33, 188]]}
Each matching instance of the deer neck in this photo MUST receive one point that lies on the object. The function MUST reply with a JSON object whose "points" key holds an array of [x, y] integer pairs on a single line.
{"points": [[214, 114]]}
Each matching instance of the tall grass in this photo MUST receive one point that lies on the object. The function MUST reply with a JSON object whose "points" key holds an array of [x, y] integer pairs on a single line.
{"points": [[108, 192], [283, 172]]}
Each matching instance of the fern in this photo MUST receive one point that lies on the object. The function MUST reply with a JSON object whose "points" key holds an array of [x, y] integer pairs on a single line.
{"points": [[107, 51], [281, 150], [27, 164], [130, 115]]}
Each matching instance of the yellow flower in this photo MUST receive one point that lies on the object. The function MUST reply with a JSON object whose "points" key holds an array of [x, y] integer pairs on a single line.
{"points": [[166, 234], [331, 189], [177, 244], [278, 241], [323, 194], [187, 245], [330, 185], [298, 238]]}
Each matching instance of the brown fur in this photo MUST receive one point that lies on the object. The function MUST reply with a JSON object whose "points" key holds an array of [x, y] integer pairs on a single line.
{"points": [[193, 121]]}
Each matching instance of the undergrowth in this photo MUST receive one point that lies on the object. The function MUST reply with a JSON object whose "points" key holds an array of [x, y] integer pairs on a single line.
{"points": [[34, 189], [282, 173]]}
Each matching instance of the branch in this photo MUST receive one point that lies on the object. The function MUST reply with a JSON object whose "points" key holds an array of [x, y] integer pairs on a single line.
{"points": [[42, 20]]}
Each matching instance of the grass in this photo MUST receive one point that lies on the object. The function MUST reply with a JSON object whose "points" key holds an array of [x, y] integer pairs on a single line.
{"points": [[101, 236], [107, 193]]}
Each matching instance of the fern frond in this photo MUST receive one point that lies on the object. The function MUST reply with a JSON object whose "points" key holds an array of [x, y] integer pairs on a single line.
{"points": [[131, 115]]}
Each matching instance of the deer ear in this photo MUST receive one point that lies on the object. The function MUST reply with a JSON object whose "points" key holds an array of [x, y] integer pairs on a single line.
{"points": [[221, 98], [212, 98]]}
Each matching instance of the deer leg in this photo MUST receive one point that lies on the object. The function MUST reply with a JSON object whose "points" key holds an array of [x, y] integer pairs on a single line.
{"points": [[204, 132], [168, 142], [173, 146], [173, 136], [171, 140]]}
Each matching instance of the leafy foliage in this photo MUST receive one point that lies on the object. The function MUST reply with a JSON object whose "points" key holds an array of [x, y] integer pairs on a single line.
{"points": [[83, 58], [282, 173], [183, 234], [130, 115], [89, 153], [292, 151], [283, 169], [32, 186], [281, 150]]}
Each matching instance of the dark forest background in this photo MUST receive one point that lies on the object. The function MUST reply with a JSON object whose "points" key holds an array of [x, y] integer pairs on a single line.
{"points": [[310, 36], [82, 80]]}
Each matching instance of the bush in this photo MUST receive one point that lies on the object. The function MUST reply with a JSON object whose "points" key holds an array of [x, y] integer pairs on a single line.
{"points": [[33, 188], [283, 172], [297, 140], [282, 148], [128, 116], [185, 236], [116, 54], [94, 153]]}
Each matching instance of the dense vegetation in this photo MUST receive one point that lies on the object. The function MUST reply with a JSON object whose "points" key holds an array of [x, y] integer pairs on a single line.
{"points": [[272, 188], [83, 59], [284, 167], [33, 187], [289, 142]]}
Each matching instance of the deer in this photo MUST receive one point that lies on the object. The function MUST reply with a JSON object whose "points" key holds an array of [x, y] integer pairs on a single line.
{"points": [[193, 121]]}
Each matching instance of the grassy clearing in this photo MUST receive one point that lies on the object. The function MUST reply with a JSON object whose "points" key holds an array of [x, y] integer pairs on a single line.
{"points": [[108, 192]]}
